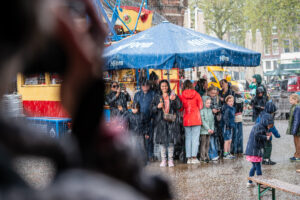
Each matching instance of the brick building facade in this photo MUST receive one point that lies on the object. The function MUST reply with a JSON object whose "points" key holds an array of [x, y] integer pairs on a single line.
{"points": [[172, 10]]}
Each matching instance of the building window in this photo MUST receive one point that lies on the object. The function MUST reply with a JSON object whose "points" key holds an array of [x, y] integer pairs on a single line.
{"points": [[35, 79], [274, 64], [268, 65], [286, 45], [275, 47], [274, 30], [296, 45], [267, 50]]}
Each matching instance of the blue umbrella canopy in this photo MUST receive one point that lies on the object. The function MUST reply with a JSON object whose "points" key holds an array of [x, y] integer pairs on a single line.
{"points": [[167, 45]]}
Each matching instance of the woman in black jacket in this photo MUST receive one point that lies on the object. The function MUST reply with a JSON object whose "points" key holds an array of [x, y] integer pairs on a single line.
{"points": [[166, 131]]}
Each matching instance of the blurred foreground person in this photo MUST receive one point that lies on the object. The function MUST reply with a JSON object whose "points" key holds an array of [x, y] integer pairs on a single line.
{"points": [[53, 36]]}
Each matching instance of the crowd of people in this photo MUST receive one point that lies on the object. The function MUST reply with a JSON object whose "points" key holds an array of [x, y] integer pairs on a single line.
{"points": [[208, 121]]}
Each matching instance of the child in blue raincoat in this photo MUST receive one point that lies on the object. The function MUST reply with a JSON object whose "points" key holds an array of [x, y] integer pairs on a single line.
{"points": [[270, 109], [256, 142]]}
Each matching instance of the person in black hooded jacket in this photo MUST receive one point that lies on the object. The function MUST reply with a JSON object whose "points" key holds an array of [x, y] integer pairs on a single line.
{"points": [[259, 102]]}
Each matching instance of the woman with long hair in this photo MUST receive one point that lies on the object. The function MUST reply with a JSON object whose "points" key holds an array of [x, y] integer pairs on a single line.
{"points": [[191, 106], [165, 109], [202, 86]]}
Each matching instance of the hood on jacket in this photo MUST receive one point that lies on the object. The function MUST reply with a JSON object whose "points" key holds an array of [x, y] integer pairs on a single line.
{"points": [[204, 98], [258, 78], [189, 94], [266, 120], [270, 107]]}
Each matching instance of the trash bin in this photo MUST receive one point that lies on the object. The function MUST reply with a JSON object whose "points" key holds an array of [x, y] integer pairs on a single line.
{"points": [[52, 126]]}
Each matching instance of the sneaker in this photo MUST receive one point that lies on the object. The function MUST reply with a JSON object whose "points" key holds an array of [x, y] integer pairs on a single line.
{"points": [[170, 163], [249, 185], [189, 161], [206, 160], [268, 162], [195, 161], [294, 159], [228, 157], [163, 163], [215, 158], [232, 156]]}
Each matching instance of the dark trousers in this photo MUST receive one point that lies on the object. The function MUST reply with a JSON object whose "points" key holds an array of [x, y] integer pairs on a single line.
{"points": [[237, 138], [267, 149], [204, 147], [256, 166], [220, 129], [149, 148]]}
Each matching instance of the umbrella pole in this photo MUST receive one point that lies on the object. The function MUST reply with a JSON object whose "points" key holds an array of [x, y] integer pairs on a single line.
{"points": [[168, 75]]}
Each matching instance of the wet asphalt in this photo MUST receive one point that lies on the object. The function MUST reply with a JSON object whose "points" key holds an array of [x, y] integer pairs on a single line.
{"points": [[222, 180], [227, 179]]}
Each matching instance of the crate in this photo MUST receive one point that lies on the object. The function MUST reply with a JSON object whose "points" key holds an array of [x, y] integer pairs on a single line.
{"points": [[52, 126]]}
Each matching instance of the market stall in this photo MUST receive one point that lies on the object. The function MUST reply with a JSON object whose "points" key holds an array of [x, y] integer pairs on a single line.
{"points": [[168, 48]]}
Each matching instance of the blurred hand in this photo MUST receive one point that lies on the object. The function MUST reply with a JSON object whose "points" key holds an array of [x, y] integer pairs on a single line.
{"points": [[120, 108], [160, 105], [214, 110], [173, 97], [268, 137], [147, 137]]}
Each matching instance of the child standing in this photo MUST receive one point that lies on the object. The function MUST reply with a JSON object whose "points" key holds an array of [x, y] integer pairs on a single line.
{"points": [[294, 123], [229, 125], [254, 151], [216, 109], [237, 137], [136, 125], [270, 109], [207, 128]]}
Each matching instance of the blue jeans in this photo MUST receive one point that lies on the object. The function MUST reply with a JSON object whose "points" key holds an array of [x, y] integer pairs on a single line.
{"points": [[213, 148], [192, 134], [237, 138], [256, 166]]}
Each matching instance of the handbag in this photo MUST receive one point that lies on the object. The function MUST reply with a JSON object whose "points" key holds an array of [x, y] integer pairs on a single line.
{"points": [[168, 117]]}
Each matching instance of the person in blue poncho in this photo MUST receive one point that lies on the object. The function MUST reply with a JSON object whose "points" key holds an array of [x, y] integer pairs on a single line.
{"points": [[270, 109]]}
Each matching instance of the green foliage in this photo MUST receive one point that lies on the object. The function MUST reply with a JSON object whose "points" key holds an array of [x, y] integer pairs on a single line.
{"points": [[284, 15], [223, 16]]}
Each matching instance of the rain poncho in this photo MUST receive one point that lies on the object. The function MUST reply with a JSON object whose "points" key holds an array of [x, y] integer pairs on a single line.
{"points": [[191, 106], [258, 136], [166, 132], [258, 84]]}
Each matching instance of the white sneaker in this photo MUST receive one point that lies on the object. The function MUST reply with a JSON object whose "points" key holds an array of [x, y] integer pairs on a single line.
{"points": [[195, 161], [215, 158], [189, 161], [249, 185]]}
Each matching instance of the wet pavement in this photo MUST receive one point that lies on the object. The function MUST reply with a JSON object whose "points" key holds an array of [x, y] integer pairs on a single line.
{"points": [[226, 179], [216, 181]]}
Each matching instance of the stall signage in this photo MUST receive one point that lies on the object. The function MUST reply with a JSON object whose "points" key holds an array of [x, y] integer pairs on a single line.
{"points": [[131, 45]]}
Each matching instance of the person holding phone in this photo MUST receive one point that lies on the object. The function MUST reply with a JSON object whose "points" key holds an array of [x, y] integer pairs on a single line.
{"points": [[117, 99]]}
